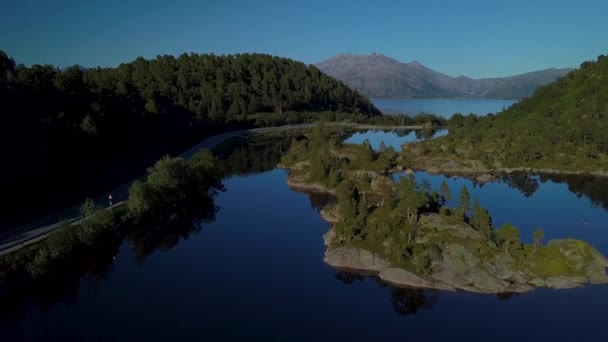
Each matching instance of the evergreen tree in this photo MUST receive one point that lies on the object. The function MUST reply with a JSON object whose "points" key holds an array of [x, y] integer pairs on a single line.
{"points": [[508, 235], [538, 236], [465, 200], [446, 195]]}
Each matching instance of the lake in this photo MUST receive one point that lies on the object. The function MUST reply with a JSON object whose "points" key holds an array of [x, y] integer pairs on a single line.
{"points": [[393, 138], [255, 271], [441, 107]]}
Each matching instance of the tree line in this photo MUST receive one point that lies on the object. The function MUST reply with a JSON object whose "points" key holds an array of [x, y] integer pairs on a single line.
{"points": [[73, 132], [563, 125]]}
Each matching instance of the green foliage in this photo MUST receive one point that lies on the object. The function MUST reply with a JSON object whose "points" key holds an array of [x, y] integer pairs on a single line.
{"points": [[562, 126], [174, 185], [88, 208], [411, 201], [481, 219], [538, 236], [422, 257], [507, 236], [88, 125], [94, 228], [464, 202], [57, 247], [446, 194], [549, 262]]}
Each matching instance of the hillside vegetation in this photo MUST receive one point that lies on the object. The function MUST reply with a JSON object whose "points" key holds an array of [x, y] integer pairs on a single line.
{"points": [[563, 126], [75, 132]]}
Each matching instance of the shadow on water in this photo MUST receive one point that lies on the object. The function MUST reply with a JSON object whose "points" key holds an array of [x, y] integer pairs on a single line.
{"points": [[61, 285], [92, 266], [592, 187], [254, 155], [405, 301]]}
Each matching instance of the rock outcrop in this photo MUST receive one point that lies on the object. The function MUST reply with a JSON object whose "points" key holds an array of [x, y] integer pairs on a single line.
{"points": [[461, 268]]}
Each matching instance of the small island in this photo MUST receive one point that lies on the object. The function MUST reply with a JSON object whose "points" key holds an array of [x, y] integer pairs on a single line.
{"points": [[405, 232]]}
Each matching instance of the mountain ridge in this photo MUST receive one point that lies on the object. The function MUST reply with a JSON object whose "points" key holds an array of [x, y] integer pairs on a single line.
{"points": [[377, 75]]}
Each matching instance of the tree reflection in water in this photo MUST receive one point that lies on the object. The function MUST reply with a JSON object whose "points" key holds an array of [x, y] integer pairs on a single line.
{"points": [[162, 232], [347, 278], [405, 301], [92, 265], [408, 301]]}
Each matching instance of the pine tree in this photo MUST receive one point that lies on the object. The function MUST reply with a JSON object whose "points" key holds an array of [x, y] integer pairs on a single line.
{"points": [[465, 200], [446, 195]]}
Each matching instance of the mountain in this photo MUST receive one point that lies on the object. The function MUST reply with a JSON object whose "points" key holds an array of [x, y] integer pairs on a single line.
{"points": [[377, 75]]}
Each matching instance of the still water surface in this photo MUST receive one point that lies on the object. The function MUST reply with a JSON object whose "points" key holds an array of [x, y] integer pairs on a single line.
{"points": [[441, 107], [256, 272], [392, 138]]}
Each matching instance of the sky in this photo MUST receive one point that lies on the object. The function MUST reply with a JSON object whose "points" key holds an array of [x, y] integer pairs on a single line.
{"points": [[458, 37]]}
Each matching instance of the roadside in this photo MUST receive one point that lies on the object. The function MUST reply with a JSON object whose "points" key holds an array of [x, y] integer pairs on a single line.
{"points": [[38, 230]]}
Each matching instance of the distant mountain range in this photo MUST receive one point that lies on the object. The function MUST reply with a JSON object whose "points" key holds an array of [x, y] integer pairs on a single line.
{"points": [[377, 75]]}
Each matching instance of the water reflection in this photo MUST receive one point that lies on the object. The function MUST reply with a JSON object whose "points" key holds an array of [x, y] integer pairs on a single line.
{"points": [[22, 295], [348, 278], [254, 155], [405, 301], [146, 238], [95, 264], [391, 137], [409, 301], [526, 183], [163, 232], [594, 188]]}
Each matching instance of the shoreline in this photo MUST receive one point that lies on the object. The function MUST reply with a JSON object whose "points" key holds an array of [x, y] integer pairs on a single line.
{"points": [[489, 175], [492, 276], [27, 233]]}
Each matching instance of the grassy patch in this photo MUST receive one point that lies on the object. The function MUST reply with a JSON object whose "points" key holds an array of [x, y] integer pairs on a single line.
{"points": [[549, 262]]}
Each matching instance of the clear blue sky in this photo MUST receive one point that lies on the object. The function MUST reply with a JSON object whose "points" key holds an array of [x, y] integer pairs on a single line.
{"points": [[459, 37]]}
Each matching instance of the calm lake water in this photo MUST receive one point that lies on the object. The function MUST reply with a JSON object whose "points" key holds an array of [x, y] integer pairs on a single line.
{"points": [[394, 138], [256, 272], [445, 108]]}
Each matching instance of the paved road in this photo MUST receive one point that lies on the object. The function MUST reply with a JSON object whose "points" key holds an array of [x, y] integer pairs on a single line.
{"points": [[35, 231]]}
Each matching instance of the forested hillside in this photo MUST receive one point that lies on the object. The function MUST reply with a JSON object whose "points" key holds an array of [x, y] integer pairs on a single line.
{"points": [[564, 126], [74, 132]]}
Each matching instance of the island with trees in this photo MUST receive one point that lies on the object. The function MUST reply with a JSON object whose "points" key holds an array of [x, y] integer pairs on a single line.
{"points": [[561, 128], [402, 230]]}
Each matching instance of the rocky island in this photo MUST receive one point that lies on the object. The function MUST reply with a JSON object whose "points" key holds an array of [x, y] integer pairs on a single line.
{"points": [[406, 234]]}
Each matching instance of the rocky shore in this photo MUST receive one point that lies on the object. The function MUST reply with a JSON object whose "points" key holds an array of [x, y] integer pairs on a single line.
{"points": [[467, 273], [461, 257]]}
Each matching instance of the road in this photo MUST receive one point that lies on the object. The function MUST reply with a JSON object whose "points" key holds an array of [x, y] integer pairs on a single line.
{"points": [[38, 230]]}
